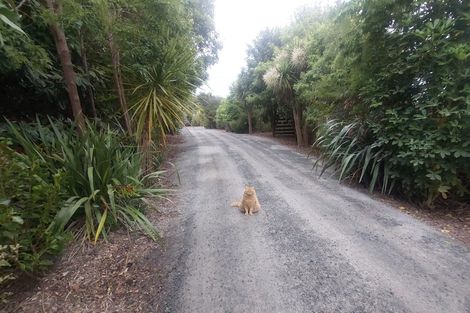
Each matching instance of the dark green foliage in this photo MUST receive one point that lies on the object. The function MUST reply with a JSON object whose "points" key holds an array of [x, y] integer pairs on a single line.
{"points": [[208, 105], [152, 54], [231, 117], [409, 84], [202, 12], [101, 174], [395, 77], [90, 182], [419, 100], [141, 31], [30, 196], [351, 150]]}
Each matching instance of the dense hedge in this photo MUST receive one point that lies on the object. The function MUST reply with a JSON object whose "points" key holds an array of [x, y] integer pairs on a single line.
{"points": [[405, 70]]}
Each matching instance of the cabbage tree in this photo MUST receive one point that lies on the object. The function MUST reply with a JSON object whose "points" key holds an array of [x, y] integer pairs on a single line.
{"points": [[163, 95], [281, 77]]}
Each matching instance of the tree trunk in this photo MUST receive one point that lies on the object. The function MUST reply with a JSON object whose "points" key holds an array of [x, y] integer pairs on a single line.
{"points": [[250, 122], [306, 133], [118, 82], [146, 150], [306, 130], [66, 63], [91, 95], [273, 118], [297, 112]]}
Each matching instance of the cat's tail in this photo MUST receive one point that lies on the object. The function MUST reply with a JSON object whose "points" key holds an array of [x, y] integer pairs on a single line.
{"points": [[236, 204]]}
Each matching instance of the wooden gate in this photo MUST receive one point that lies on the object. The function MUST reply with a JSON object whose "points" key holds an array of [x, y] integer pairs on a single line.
{"points": [[284, 128]]}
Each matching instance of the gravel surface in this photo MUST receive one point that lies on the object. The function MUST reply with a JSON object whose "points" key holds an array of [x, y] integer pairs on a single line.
{"points": [[315, 246]]}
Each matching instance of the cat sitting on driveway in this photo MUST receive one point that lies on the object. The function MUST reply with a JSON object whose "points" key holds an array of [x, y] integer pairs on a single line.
{"points": [[249, 203]]}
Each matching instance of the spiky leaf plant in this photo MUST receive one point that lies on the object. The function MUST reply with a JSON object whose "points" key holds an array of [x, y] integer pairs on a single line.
{"points": [[162, 96], [101, 176], [346, 149]]}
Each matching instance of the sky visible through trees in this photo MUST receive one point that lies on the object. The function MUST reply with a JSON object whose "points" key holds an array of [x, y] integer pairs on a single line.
{"points": [[238, 23]]}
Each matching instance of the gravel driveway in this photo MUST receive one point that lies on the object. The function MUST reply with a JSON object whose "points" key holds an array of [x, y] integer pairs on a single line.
{"points": [[315, 246]]}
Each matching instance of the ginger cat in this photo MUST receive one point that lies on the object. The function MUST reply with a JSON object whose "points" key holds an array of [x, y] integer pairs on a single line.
{"points": [[249, 203]]}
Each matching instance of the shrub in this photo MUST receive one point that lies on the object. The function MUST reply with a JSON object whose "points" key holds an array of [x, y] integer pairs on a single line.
{"points": [[30, 197], [402, 70], [232, 117], [415, 163], [354, 155], [57, 179], [101, 176], [8, 256]]}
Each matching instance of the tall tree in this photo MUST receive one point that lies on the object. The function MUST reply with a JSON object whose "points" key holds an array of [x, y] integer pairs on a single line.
{"points": [[208, 105], [109, 14], [242, 89], [281, 77], [259, 53], [65, 58], [163, 97]]}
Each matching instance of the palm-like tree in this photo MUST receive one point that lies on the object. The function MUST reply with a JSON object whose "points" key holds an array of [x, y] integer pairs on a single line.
{"points": [[163, 96], [281, 77]]}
